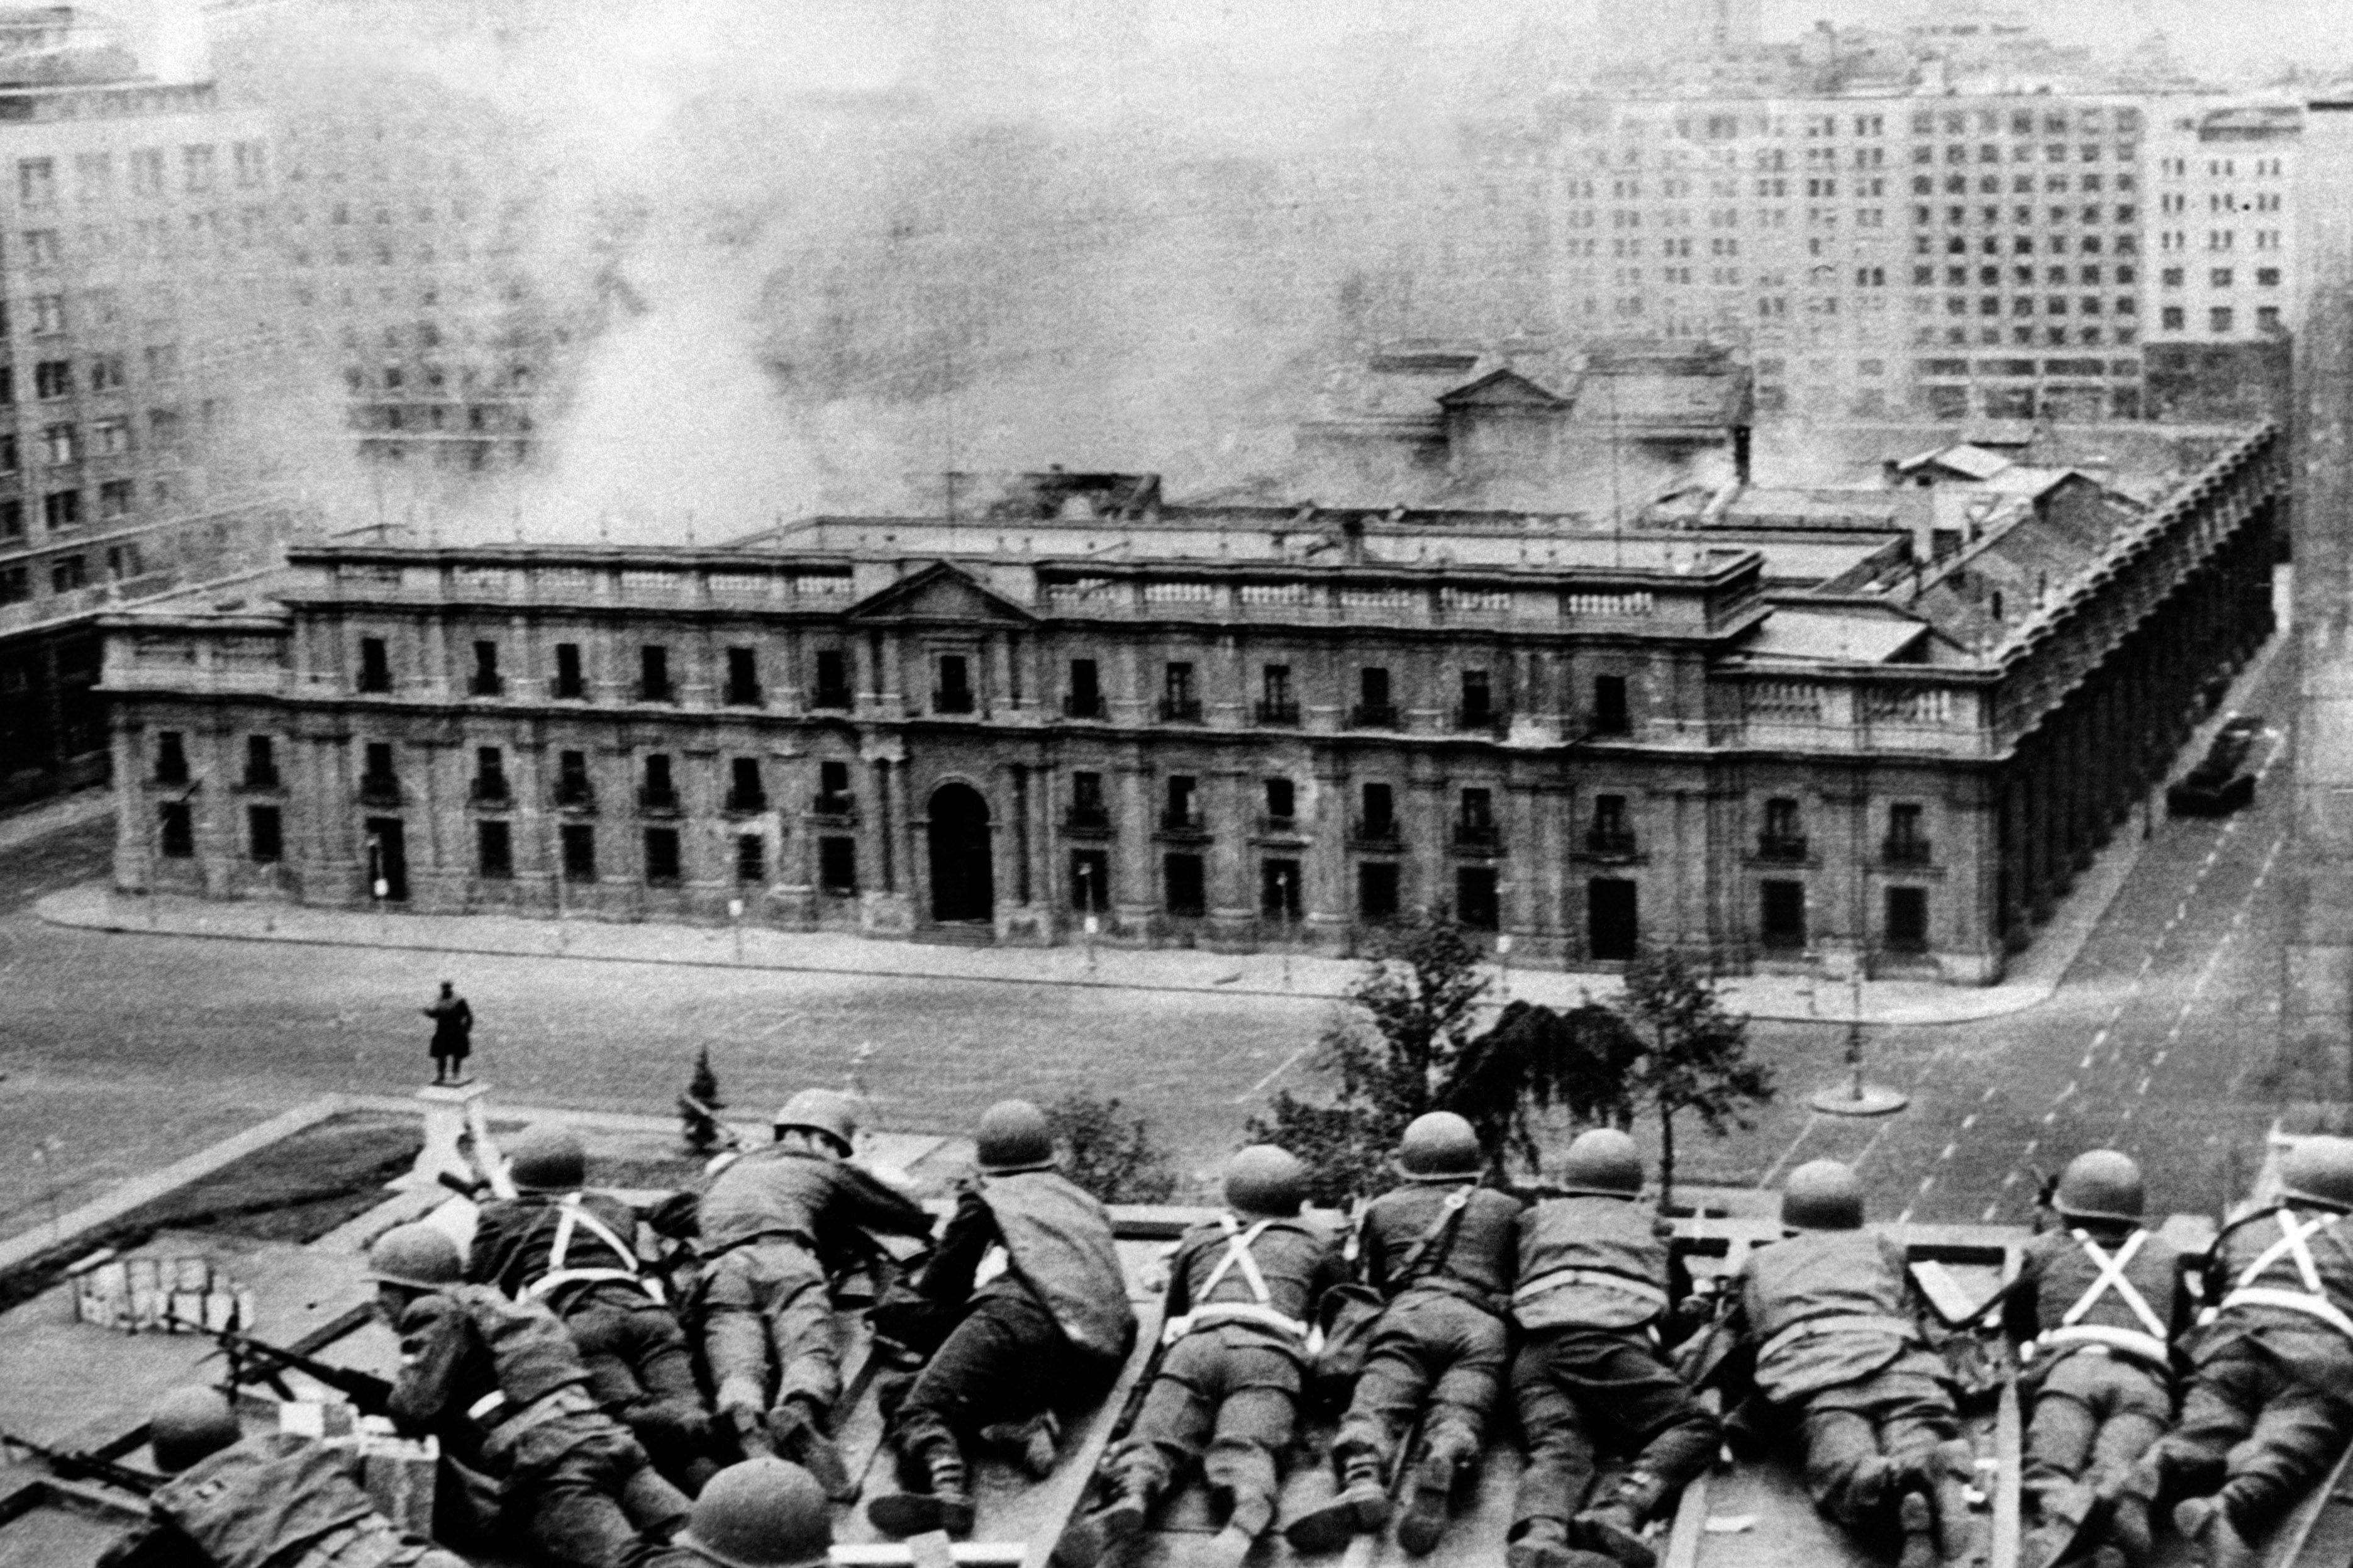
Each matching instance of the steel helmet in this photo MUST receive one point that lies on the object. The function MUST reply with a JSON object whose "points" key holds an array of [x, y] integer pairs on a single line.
{"points": [[421, 1256], [1013, 1137], [820, 1110], [2319, 1170], [761, 1513], [1822, 1194], [1439, 1147], [191, 1423], [548, 1160], [1602, 1163], [2100, 1183], [1265, 1180]]}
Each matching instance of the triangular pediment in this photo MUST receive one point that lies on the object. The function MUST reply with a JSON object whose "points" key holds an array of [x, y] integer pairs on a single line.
{"points": [[941, 592], [1501, 389]]}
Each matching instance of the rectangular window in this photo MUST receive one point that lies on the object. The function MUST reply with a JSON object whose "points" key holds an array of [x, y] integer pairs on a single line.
{"points": [[579, 841], [953, 693], [1374, 708], [742, 679], [1277, 704], [1609, 714], [1282, 801], [1376, 891], [1176, 696], [375, 665], [489, 774], [568, 683], [265, 834], [2222, 319], [653, 674], [1090, 881], [1478, 699], [1183, 886], [1907, 920], [744, 791], [171, 758], [53, 378], [486, 681], [1086, 701], [36, 182], [114, 501], [1184, 810], [58, 444], [750, 858], [494, 850], [1474, 897], [12, 520], [832, 679], [833, 789], [836, 865], [659, 792], [197, 165], [260, 762], [661, 854], [61, 510], [1613, 929], [68, 572], [572, 784], [1087, 801], [1783, 837], [1907, 842], [1379, 817], [178, 829], [1278, 889], [1783, 911]]}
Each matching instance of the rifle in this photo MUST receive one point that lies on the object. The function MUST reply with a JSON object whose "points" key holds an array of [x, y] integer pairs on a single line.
{"points": [[369, 1394], [74, 1465]]}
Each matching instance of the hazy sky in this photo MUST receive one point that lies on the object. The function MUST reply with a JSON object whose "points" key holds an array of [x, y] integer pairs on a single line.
{"points": [[2221, 33]]}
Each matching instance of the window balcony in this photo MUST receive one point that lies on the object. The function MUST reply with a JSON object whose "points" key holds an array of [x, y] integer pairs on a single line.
{"points": [[1091, 820], [831, 697], [1784, 847], [1905, 852], [745, 696], [1484, 836], [952, 700], [579, 797], [261, 778], [486, 686], [1284, 825], [1615, 843], [1077, 706], [1491, 720], [747, 802], [377, 791], [1380, 832], [657, 692], [1373, 716], [1183, 824], [1282, 713], [1180, 709], [658, 802], [487, 791], [838, 805]]}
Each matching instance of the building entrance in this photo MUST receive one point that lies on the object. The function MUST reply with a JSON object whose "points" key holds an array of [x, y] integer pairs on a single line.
{"points": [[962, 883]]}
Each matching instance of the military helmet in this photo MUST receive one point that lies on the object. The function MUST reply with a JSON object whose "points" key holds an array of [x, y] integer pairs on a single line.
{"points": [[822, 1111], [1439, 1147], [1013, 1136], [2100, 1183], [421, 1256], [1602, 1163], [1265, 1180], [1822, 1194], [2319, 1170], [761, 1514], [548, 1160], [191, 1423]]}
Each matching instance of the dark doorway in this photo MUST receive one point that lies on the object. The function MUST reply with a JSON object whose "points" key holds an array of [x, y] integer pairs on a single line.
{"points": [[1612, 930], [964, 886], [1784, 913], [388, 852]]}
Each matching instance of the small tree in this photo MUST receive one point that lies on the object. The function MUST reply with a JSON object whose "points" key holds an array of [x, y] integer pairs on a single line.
{"points": [[1534, 1059], [1694, 1055], [699, 1107], [1112, 1154]]}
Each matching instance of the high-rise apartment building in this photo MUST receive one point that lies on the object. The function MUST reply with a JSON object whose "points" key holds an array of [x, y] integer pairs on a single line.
{"points": [[2222, 247]]}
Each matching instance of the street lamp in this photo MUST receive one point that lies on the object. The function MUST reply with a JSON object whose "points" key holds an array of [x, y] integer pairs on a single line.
{"points": [[1854, 1097], [378, 887], [1087, 902], [1290, 910]]}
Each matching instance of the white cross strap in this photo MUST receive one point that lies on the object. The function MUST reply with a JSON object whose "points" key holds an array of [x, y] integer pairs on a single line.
{"points": [[570, 1218], [1261, 1311], [2111, 1279], [2313, 1299]]}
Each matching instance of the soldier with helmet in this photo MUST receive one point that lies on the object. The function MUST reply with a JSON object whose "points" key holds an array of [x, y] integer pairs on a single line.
{"points": [[1030, 1271], [2096, 1306], [2269, 1403], [503, 1388], [1439, 1249], [271, 1500], [1597, 1284], [761, 1514], [1829, 1315], [768, 1219], [1243, 1291], [576, 1251]]}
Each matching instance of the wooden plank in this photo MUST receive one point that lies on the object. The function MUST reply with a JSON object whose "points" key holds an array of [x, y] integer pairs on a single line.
{"points": [[2008, 1444], [1047, 1509], [1689, 1532], [2299, 1541]]}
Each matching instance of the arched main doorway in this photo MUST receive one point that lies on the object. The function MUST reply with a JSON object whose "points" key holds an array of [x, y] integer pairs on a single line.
{"points": [[964, 887]]}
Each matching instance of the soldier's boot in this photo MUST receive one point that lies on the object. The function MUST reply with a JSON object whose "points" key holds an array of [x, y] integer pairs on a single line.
{"points": [[1950, 1469], [1034, 1443], [1094, 1538], [1542, 1543], [2072, 1519], [1615, 1528], [2128, 1532], [1361, 1505], [1431, 1488], [1917, 1522], [798, 1428], [946, 1506], [749, 1430], [1251, 1515], [2206, 1524]]}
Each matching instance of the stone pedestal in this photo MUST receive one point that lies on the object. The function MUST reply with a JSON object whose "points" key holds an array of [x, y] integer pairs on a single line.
{"points": [[452, 1111]]}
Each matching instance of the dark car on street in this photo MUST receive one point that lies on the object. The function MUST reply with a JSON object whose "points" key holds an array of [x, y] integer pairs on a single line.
{"points": [[2220, 783]]}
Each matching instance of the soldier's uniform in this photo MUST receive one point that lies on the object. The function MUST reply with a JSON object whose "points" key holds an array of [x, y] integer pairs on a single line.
{"points": [[767, 1219], [2269, 1403], [1596, 1284], [273, 1500], [1029, 1262], [502, 1386], [574, 1252], [1829, 1316]]}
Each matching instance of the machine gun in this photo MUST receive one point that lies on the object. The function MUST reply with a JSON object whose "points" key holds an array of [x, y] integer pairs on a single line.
{"points": [[76, 1466], [369, 1394]]}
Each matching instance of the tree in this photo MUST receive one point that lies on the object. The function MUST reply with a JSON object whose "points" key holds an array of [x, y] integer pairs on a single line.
{"points": [[1113, 1155], [1534, 1059], [1694, 1055], [699, 1107]]}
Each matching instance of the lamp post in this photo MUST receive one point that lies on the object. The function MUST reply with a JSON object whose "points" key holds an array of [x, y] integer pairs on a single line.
{"points": [[1282, 888], [377, 887], [1504, 966], [1087, 902], [1853, 1096]]}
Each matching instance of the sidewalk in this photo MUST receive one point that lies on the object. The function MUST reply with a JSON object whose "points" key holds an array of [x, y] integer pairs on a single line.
{"points": [[42, 818]]}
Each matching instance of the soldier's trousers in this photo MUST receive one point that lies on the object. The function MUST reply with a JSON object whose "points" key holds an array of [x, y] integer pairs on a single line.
{"points": [[1894, 1414], [2094, 1416], [640, 1368], [763, 1306], [2262, 1421], [1576, 1384], [1228, 1397], [1006, 1359], [584, 1493], [1430, 1348]]}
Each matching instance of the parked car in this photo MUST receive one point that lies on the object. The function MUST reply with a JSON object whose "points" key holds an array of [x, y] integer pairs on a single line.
{"points": [[2220, 783]]}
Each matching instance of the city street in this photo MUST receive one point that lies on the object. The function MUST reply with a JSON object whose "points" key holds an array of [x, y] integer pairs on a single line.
{"points": [[123, 1051]]}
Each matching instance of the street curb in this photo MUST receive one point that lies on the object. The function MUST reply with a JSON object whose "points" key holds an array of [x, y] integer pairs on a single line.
{"points": [[140, 1191]]}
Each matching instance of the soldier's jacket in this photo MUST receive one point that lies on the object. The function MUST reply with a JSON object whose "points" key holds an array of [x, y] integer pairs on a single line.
{"points": [[2060, 1302], [780, 1191], [514, 1239], [258, 1502], [1593, 1262], [462, 1344], [1475, 1265], [1299, 1259], [1057, 1248], [2256, 1282], [1825, 1308]]}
